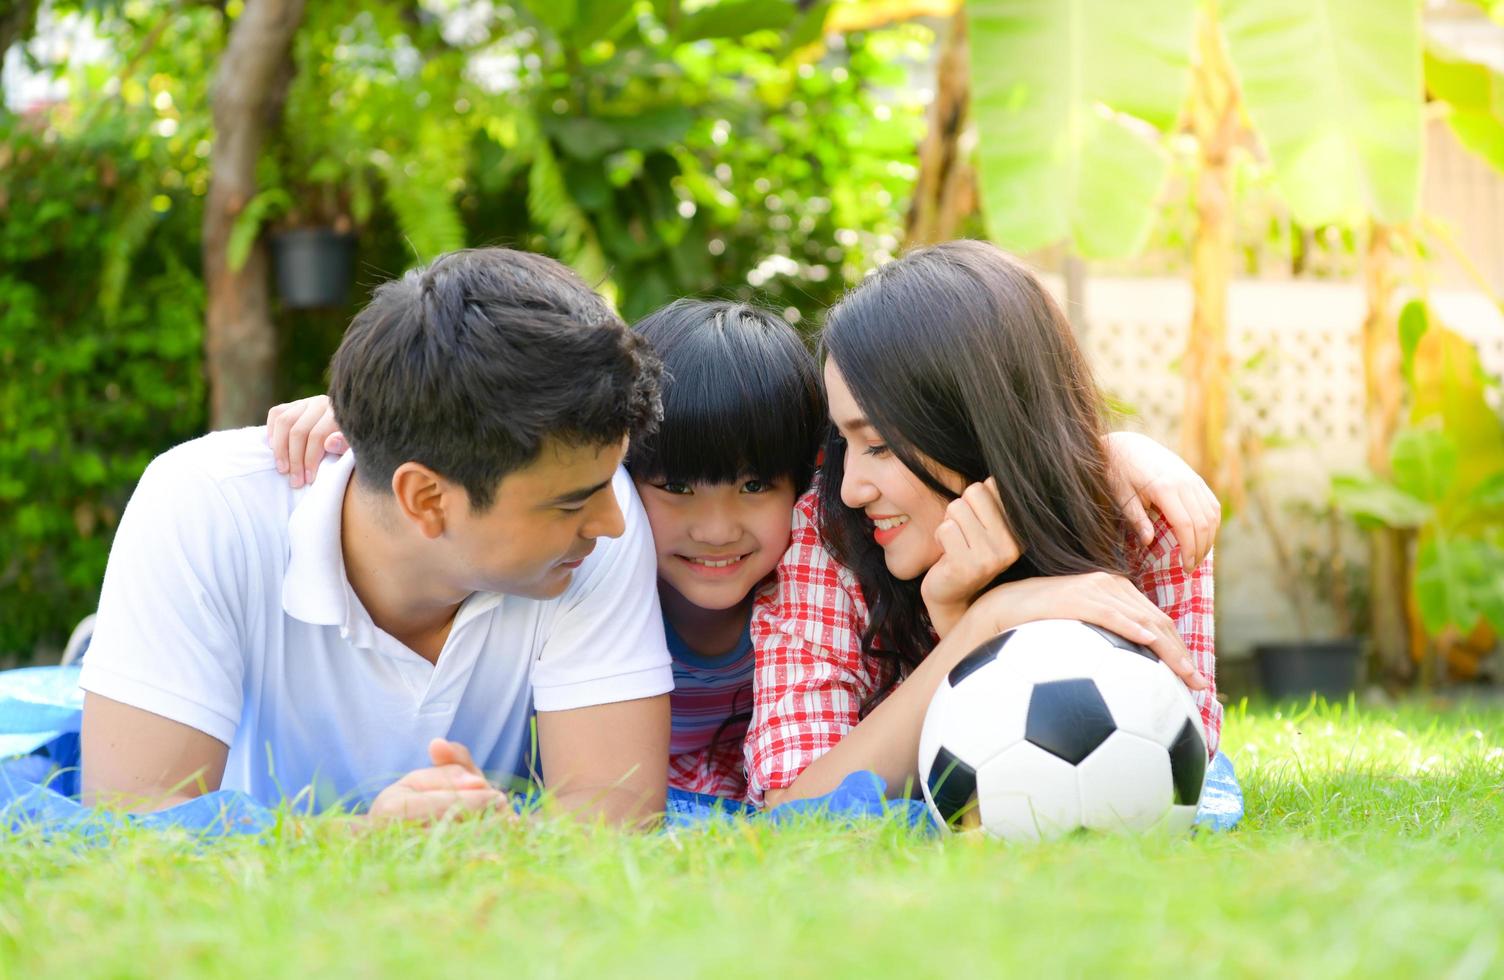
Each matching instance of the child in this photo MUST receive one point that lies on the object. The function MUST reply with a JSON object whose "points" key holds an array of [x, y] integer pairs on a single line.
{"points": [[742, 420]]}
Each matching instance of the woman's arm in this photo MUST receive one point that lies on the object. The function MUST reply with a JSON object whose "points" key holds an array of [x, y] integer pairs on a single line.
{"points": [[1187, 599], [815, 730]]}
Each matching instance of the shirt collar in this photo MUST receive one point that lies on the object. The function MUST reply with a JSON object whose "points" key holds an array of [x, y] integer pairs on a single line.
{"points": [[315, 588]]}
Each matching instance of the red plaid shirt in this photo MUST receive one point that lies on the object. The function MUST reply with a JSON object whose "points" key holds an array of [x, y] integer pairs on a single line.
{"points": [[811, 677]]}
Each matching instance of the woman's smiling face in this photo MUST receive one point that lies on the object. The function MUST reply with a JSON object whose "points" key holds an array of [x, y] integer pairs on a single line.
{"points": [[902, 512]]}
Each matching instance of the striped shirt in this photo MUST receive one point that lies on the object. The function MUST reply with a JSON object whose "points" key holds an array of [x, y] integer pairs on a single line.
{"points": [[708, 691]]}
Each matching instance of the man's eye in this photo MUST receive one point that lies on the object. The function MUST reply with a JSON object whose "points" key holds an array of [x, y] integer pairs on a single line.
{"points": [[756, 486], [573, 509], [675, 488]]}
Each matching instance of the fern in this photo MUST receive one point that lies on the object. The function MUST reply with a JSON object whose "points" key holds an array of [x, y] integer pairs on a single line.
{"points": [[133, 222], [552, 208], [419, 188]]}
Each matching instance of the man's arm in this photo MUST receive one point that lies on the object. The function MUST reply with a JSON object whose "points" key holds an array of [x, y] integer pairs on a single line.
{"points": [[609, 760], [136, 760], [601, 683]]}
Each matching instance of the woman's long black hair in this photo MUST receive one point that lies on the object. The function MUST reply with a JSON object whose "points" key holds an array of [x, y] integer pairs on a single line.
{"points": [[957, 355]]}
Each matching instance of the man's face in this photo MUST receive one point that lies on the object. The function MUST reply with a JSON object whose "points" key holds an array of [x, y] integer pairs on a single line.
{"points": [[542, 524]]}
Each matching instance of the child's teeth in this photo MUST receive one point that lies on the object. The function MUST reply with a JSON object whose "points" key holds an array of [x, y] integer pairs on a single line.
{"points": [[716, 564]]}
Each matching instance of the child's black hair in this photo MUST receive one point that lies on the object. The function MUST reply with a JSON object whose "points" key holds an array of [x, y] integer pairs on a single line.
{"points": [[741, 397]]}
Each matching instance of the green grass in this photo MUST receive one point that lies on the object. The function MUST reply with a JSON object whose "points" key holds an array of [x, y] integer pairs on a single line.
{"points": [[1373, 846]]}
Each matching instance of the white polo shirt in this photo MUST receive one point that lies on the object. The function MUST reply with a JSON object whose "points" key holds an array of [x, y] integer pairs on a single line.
{"points": [[225, 607]]}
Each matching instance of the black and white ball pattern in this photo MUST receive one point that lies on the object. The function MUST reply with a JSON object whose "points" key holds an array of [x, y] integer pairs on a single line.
{"points": [[1056, 726]]}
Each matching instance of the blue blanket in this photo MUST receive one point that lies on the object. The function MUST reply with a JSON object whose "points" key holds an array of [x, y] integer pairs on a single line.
{"points": [[39, 718]]}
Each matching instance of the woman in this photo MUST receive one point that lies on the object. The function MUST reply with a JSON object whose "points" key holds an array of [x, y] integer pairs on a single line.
{"points": [[965, 488]]}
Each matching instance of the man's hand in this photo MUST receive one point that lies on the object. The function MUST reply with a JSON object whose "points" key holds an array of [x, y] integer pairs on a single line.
{"points": [[453, 786]]}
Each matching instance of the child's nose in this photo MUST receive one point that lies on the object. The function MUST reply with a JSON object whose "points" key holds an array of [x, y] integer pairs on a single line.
{"points": [[716, 529]]}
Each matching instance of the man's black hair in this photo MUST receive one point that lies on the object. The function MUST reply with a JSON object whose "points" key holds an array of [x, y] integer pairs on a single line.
{"points": [[741, 400], [470, 364]]}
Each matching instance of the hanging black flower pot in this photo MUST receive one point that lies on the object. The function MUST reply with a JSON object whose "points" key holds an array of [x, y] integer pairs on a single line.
{"points": [[1295, 671], [314, 266]]}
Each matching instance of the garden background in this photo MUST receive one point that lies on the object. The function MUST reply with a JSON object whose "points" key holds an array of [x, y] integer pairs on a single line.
{"points": [[1275, 224]]}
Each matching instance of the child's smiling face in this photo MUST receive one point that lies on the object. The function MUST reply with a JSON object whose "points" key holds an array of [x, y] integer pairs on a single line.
{"points": [[716, 541]]}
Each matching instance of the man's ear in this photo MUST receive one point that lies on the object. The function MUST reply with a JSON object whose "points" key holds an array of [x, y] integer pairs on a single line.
{"points": [[422, 496]]}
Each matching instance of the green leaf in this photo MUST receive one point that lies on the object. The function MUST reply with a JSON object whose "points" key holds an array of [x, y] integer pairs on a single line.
{"points": [[247, 226], [653, 129], [1449, 390], [735, 18], [1474, 96], [1424, 462], [582, 137], [557, 15], [808, 28], [1372, 500], [1414, 321], [1070, 99], [1334, 89], [597, 19], [1442, 586]]}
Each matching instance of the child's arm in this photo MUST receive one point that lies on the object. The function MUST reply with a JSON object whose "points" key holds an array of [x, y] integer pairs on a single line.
{"points": [[300, 433], [1145, 474]]}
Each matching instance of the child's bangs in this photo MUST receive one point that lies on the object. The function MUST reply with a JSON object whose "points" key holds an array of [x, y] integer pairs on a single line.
{"points": [[741, 400]]}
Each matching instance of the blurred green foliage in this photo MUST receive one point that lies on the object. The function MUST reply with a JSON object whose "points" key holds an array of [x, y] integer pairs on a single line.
{"points": [[662, 152]]}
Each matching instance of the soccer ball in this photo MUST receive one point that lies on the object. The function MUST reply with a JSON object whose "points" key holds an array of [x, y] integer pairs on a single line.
{"points": [[1058, 725]]}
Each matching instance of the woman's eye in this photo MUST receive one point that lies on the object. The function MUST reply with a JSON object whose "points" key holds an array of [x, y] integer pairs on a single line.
{"points": [[876, 449], [675, 488], [756, 486]]}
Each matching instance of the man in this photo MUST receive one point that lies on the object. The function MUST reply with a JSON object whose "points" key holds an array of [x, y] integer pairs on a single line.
{"points": [[480, 553]]}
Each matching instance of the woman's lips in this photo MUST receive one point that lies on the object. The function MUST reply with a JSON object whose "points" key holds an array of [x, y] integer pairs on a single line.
{"points": [[884, 535]]}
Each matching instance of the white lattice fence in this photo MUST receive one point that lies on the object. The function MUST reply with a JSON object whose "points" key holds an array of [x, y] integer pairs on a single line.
{"points": [[1299, 385]]}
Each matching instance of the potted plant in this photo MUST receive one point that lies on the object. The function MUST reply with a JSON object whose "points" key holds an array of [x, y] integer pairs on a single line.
{"points": [[1446, 485], [1311, 568]]}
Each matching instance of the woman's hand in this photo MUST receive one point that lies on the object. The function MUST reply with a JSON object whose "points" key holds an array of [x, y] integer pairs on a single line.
{"points": [[978, 547], [1100, 598], [1145, 474], [300, 433]]}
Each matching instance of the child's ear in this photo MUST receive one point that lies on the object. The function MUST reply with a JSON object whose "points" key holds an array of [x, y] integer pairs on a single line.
{"points": [[422, 496]]}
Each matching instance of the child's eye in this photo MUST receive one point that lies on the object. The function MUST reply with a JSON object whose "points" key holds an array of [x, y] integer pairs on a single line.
{"points": [[756, 486], [675, 488], [876, 449]]}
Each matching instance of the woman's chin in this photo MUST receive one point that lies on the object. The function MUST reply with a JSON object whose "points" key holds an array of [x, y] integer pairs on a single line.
{"points": [[905, 568]]}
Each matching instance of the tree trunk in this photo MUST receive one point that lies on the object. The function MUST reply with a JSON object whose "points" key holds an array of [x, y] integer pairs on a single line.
{"points": [[1214, 122], [17, 24], [240, 339], [945, 193], [1393, 627]]}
